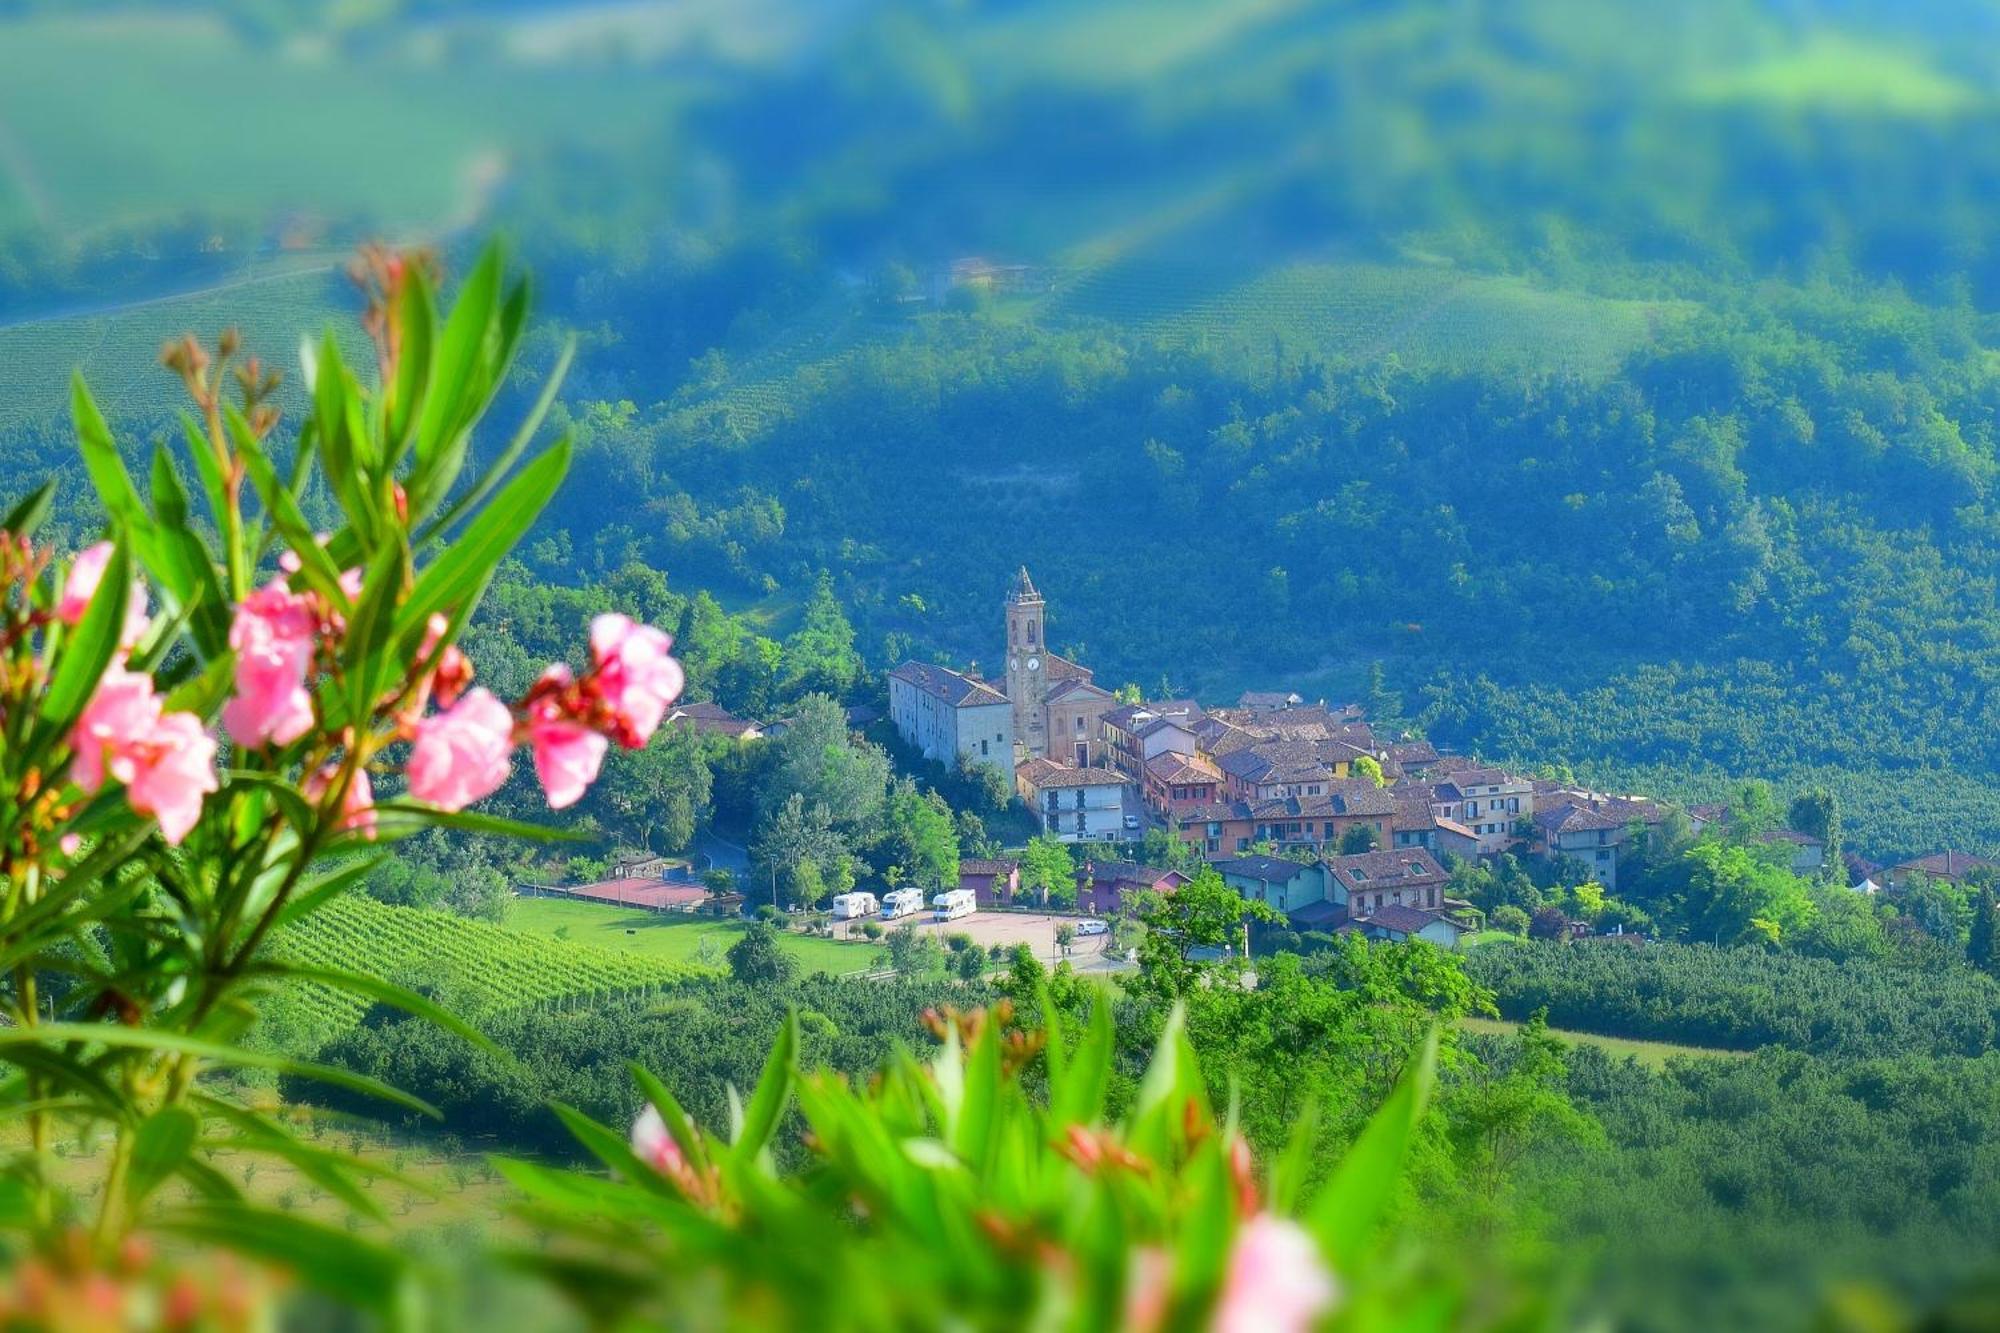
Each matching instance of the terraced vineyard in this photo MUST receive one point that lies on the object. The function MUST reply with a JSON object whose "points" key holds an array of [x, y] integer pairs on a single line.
{"points": [[118, 351], [1424, 316], [476, 968]]}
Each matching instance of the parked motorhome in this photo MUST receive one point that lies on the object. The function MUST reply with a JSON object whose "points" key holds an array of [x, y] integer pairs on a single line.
{"points": [[849, 906], [953, 904], [902, 902]]}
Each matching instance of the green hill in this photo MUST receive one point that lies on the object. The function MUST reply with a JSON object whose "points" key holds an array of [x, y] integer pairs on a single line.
{"points": [[118, 349]]}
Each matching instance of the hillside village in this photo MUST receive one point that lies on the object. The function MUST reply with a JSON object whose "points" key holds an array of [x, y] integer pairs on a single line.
{"points": [[1297, 804]]}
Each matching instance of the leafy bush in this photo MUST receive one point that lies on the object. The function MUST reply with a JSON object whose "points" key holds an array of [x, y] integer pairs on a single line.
{"points": [[149, 882], [992, 1208], [1707, 996]]}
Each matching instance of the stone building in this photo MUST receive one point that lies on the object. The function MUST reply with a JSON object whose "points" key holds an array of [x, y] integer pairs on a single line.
{"points": [[950, 716]]}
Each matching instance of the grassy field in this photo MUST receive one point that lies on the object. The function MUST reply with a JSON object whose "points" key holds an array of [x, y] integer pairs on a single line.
{"points": [[1421, 315], [1652, 1054], [674, 938]]}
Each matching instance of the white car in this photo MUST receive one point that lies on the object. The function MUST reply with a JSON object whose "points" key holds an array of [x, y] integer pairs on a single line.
{"points": [[1132, 822], [1092, 926]]}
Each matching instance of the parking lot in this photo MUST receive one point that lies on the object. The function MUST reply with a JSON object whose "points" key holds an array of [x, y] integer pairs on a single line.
{"points": [[1035, 929]]}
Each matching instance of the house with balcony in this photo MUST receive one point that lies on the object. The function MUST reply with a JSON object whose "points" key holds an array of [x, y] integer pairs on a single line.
{"points": [[1489, 801], [1076, 804], [1133, 733], [1593, 829]]}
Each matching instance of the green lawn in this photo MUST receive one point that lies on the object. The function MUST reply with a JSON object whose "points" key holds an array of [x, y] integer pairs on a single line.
{"points": [[1652, 1054], [673, 937]]}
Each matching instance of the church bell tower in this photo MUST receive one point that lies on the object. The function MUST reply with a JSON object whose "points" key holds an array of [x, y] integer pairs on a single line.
{"points": [[1027, 680]]}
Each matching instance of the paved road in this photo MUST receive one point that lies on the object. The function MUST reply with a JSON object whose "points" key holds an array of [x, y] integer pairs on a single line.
{"points": [[1034, 929], [713, 853]]}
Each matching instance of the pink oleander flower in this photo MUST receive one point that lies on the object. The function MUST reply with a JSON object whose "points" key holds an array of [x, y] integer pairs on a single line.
{"points": [[635, 676], [453, 673], [1276, 1282], [463, 754], [85, 573], [357, 808], [654, 1145], [176, 769], [273, 635], [121, 714], [166, 761], [567, 754], [1148, 1285], [350, 579]]}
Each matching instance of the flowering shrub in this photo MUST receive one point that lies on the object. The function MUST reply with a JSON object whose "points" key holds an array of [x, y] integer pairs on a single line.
{"points": [[201, 740], [987, 1188]]}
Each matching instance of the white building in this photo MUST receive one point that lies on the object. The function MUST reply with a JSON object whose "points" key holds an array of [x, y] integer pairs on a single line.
{"points": [[950, 716], [1076, 804]]}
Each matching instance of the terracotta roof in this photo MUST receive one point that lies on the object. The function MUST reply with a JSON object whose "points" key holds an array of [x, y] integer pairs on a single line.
{"points": [[1408, 753], [952, 687], [1259, 700], [1394, 869], [711, 717], [1059, 668], [1215, 810], [1347, 797], [1173, 768], [1076, 685], [1042, 774], [1946, 865], [1568, 818]]}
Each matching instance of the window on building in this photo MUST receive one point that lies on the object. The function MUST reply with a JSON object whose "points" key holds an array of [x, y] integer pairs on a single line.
{"points": [[982, 748]]}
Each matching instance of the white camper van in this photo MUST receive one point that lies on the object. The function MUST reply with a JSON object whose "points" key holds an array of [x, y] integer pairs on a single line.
{"points": [[953, 904], [902, 902], [849, 906]]}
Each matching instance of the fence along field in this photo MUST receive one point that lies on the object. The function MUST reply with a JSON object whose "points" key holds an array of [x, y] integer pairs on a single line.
{"points": [[475, 968]]}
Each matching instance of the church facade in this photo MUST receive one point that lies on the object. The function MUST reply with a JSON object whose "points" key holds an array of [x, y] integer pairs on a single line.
{"points": [[1044, 706]]}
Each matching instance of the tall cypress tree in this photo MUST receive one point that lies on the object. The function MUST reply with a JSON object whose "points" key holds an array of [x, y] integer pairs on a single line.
{"points": [[1979, 947]]}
